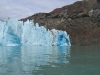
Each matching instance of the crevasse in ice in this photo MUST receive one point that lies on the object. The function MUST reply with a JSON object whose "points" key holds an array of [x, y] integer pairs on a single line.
{"points": [[14, 32]]}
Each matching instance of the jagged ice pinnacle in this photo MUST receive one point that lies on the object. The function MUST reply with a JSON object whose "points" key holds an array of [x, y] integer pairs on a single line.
{"points": [[14, 32]]}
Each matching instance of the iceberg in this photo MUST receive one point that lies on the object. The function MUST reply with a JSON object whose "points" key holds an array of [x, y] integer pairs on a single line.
{"points": [[14, 33]]}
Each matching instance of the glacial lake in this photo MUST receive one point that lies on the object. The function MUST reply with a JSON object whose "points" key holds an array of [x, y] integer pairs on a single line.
{"points": [[50, 60]]}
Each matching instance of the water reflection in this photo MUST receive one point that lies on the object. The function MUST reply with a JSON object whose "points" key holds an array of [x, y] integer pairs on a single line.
{"points": [[30, 59], [85, 55], [9, 57], [33, 58]]}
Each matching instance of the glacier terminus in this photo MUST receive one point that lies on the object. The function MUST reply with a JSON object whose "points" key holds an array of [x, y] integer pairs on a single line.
{"points": [[14, 33]]}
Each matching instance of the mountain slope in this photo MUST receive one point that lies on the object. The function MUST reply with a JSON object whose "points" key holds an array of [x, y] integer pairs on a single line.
{"points": [[81, 20]]}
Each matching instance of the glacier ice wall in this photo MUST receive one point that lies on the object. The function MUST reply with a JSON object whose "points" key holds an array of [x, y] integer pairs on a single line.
{"points": [[14, 32], [7, 35]]}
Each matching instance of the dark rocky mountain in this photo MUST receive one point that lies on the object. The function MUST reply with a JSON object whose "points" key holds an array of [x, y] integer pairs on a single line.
{"points": [[81, 20]]}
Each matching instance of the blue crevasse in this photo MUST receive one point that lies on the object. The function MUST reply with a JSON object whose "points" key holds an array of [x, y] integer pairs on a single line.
{"points": [[7, 35], [14, 32]]}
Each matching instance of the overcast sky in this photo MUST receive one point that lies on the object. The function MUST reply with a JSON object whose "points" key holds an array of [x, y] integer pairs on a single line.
{"points": [[24, 8]]}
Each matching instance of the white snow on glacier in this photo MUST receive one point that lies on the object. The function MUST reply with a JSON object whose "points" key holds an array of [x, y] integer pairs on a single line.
{"points": [[14, 32]]}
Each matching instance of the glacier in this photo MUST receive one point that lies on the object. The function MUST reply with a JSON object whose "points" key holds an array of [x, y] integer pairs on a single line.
{"points": [[14, 33]]}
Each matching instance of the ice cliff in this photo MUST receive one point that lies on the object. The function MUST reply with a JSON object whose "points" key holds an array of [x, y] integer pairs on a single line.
{"points": [[14, 32]]}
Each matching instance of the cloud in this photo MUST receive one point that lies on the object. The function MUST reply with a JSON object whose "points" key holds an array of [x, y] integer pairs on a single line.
{"points": [[23, 8]]}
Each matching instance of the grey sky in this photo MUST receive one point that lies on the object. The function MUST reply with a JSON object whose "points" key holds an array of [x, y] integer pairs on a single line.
{"points": [[23, 8]]}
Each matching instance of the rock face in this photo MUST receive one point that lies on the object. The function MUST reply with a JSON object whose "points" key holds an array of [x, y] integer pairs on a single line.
{"points": [[81, 20]]}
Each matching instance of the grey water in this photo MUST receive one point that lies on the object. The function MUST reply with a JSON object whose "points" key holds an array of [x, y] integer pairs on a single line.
{"points": [[50, 60]]}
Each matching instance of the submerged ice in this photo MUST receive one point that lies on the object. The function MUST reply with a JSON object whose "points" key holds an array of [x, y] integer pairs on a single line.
{"points": [[14, 32]]}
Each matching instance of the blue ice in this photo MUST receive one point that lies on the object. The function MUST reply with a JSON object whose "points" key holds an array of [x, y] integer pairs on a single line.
{"points": [[14, 32]]}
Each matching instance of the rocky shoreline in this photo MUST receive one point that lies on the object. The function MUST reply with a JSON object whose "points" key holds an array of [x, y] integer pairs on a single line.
{"points": [[81, 20]]}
